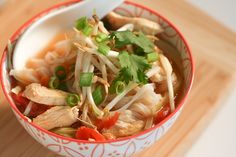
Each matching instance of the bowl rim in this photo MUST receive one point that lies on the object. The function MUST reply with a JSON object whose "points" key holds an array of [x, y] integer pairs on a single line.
{"points": [[31, 20]]}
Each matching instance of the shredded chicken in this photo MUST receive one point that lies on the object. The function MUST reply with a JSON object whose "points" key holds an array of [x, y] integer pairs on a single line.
{"points": [[109, 136], [126, 125], [40, 94], [58, 116], [147, 26]]}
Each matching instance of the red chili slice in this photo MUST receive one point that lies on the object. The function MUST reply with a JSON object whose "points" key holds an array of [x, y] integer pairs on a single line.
{"points": [[162, 114], [38, 109], [84, 133], [22, 103], [107, 122]]}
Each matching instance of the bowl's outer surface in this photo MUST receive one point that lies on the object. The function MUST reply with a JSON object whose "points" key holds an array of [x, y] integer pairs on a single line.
{"points": [[121, 147]]}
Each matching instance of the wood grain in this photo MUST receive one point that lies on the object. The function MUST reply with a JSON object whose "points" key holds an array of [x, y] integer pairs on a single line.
{"points": [[214, 51]]}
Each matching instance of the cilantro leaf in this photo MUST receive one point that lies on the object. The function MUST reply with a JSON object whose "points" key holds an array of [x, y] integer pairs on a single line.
{"points": [[125, 75], [133, 68], [144, 43], [142, 77], [123, 38]]}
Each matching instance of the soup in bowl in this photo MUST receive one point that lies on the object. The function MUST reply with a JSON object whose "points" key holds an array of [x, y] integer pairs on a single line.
{"points": [[105, 87]]}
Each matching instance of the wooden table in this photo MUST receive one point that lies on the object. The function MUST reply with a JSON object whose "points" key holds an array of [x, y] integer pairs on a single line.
{"points": [[214, 51]]}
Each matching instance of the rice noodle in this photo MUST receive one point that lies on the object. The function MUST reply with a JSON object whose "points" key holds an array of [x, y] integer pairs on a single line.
{"points": [[71, 55], [63, 47], [139, 93], [122, 102], [141, 109], [37, 63], [53, 58], [43, 71]]}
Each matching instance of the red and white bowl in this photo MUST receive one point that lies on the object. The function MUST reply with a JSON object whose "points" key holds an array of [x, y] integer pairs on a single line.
{"points": [[120, 147]]}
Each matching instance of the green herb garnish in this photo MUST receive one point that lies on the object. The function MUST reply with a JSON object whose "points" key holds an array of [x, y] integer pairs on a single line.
{"points": [[103, 49], [123, 38], [133, 68], [54, 82], [60, 72], [97, 95], [152, 57], [86, 79], [72, 99], [83, 26], [101, 37], [81, 23], [120, 86]]}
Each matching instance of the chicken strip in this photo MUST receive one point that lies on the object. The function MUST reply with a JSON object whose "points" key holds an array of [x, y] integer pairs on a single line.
{"points": [[126, 125], [146, 26], [40, 94], [58, 116]]}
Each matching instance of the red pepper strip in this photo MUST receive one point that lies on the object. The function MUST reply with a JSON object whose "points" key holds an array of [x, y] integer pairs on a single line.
{"points": [[106, 123], [38, 109], [162, 114], [22, 103], [20, 99], [84, 133]]}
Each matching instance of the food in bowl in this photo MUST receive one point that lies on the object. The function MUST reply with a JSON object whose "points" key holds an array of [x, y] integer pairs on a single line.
{"points": [[99, 82], [173, 45]]}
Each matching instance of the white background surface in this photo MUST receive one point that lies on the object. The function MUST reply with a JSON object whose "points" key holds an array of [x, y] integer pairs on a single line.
{"points": [[219, 139]]}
